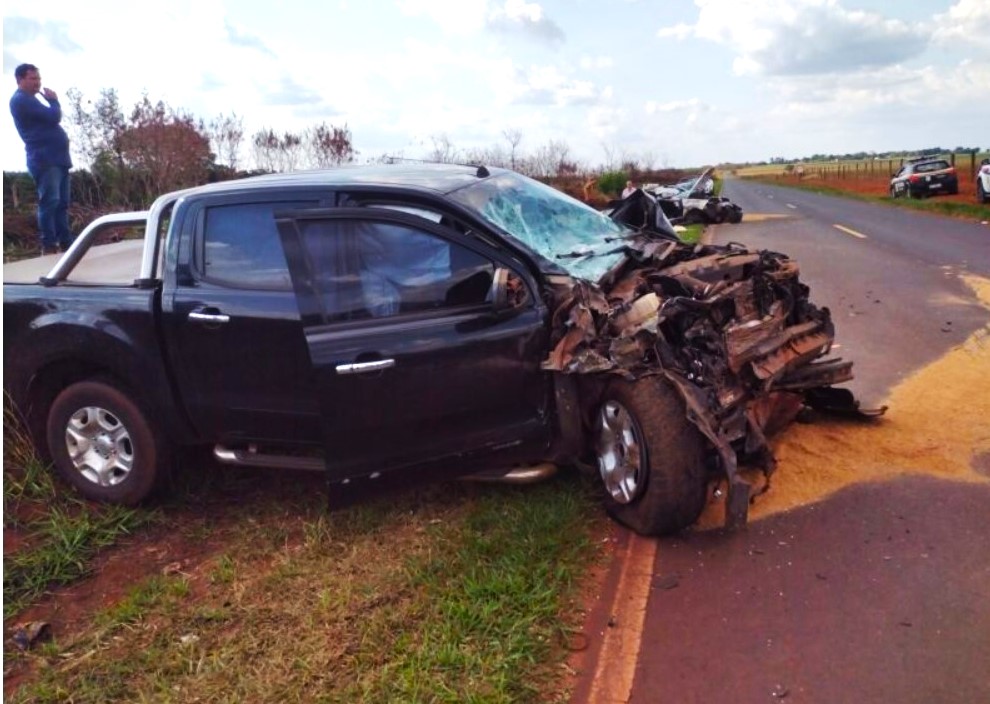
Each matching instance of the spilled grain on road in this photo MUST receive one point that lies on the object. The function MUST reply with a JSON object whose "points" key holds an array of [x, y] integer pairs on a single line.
{"points": [[938, 424]]}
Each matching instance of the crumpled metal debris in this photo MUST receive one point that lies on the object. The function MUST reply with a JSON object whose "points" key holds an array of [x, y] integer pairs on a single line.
{"points": [[732, 329], [694, 200]]}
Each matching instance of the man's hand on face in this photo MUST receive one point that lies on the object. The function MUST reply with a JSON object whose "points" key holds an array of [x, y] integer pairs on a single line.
{"points": [[49, 94]]}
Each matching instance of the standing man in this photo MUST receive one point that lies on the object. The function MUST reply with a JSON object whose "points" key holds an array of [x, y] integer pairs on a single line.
{"points": [[48, 160]]}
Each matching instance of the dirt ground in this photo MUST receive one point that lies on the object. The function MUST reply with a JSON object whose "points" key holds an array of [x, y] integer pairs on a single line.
{"points": [[190, 536], [880, 186]]}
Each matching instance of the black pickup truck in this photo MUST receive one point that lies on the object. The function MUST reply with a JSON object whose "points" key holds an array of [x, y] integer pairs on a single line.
{"points": [[413, 321]]}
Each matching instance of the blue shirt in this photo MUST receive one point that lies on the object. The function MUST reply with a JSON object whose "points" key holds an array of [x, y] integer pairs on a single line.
{"points": [[45, 142]]}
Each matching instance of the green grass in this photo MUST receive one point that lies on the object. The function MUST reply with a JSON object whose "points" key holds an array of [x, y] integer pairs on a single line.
{"points": [[692, 235], [453, 594], [931, 205], [61, 534]]}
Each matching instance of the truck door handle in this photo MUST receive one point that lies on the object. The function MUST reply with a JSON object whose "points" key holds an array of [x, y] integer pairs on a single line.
{"points": [[210, 318], [365, 367]]}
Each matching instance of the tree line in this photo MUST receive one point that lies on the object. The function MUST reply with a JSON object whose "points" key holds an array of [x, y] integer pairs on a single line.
{"points": [[130, 157]]}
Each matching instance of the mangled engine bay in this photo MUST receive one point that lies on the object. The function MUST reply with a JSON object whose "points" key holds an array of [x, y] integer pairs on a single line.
{"points": [[733, 331]]}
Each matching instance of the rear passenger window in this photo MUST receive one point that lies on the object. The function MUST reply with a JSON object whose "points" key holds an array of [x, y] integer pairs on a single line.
{"points": [[241, 247]]}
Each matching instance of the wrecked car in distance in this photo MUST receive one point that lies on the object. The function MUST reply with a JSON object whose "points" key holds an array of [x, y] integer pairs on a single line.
{"points": [[415, 322], [694, 201]]}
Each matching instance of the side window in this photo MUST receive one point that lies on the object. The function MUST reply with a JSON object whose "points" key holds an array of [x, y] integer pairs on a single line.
{"points": [[369, 269], [240, 246]]}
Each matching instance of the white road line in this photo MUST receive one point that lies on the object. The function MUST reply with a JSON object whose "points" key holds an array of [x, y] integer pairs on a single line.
{"points": [[792, 206], [860, 235]]}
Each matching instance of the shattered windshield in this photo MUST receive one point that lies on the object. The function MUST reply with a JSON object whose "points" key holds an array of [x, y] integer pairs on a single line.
{"points": [[583, 241]]}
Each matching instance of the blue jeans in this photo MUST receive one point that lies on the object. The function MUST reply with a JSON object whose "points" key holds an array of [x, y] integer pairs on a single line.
{"points": [[53, 206]]}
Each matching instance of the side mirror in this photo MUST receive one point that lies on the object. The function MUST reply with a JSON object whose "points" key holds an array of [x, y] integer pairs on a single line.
{"points": [[500, 289], [508, 292]]}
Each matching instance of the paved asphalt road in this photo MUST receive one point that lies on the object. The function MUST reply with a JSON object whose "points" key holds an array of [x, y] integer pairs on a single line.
{"points": [[895, 293], [881, 592]]}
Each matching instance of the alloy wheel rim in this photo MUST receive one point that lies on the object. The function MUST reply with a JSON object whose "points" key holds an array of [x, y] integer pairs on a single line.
{"points": [[99, 446], [619, 450]]}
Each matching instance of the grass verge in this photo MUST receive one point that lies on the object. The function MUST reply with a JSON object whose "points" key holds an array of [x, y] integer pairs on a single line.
{"points": [[455, 593], [973, 211], [59, 534]]}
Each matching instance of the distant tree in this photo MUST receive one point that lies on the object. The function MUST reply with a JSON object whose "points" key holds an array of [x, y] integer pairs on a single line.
{"points": [[274, 152], [648, 160], [327, 145], [613, 155], [226, 136], [265, 145], [612, 182], [494, 155], [135, 158], [443, 150], [95, 127], [290, 151], [514, 137], [548, 159], [165, 149]]}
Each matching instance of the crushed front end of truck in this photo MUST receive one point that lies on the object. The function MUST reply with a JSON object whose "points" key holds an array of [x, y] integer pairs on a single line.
{"points": [[733, 330]]}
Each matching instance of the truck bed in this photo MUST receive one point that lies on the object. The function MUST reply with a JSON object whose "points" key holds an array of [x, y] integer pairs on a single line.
{"points": [[114, 264]]}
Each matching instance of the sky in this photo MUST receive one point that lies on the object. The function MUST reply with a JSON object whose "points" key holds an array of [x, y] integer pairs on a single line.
{"points": [[670, 83]]}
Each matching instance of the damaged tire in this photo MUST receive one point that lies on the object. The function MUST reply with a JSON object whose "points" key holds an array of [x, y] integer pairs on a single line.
{"points": [[650, 457], [103, 444]]}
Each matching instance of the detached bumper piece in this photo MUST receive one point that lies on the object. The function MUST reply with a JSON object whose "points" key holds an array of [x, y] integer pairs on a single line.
{"points": [[732, 329]]}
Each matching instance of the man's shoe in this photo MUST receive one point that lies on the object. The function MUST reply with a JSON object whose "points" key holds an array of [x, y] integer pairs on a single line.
{"points": [[49, 250]]}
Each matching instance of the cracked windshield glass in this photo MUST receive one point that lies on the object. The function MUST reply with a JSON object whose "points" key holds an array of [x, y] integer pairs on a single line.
{"points": [[581, 240]]}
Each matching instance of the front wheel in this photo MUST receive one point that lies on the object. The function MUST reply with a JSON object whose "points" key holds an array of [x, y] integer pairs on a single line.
{"points": [[650, 457], [981, 195], [103, 444]]}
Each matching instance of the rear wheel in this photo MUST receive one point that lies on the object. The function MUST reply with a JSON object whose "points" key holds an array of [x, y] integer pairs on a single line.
{"points": [[103, 444], [650, 458]]}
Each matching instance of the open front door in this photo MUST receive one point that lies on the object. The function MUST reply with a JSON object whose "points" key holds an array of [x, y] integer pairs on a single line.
{"points": [[417, 360]]}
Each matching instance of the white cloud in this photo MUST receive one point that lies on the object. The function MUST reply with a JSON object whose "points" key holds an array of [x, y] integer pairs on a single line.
{"points": [[967, 22], [525, 18], [802, 37], [596, 62], [679, 31], [242, 38], [549, 85], [929, 89], [652, 107], [452, 16]]}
